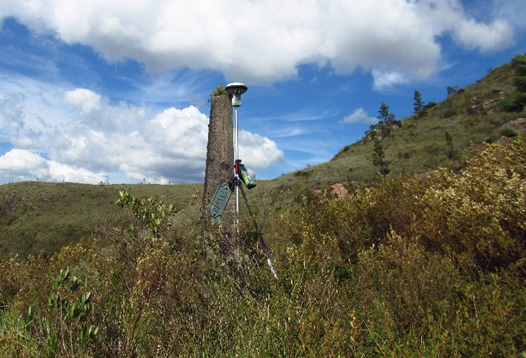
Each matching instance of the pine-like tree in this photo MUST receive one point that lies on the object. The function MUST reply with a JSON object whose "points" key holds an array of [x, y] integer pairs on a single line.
{"points": [[383, 113], [449, 142], [517, 103], [379, 157], [418, 104]]}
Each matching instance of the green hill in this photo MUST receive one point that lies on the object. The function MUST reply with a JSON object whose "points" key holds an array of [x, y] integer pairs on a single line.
{"points": [[36, 216], [472, 115]]}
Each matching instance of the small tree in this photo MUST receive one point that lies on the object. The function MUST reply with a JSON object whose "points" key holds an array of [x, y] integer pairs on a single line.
{"points": [[508, 133], [383, 113], [387, 121], [450, 149], [418, 104], [517, 103], [451, 90], [379, 157], [519, 65]]}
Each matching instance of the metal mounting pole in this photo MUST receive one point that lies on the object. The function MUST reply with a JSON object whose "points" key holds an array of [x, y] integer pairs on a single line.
{"points": [[236, 157], [235, 90]]}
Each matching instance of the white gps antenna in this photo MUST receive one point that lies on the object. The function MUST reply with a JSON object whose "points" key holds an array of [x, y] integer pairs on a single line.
{"points": [[235, 90]]}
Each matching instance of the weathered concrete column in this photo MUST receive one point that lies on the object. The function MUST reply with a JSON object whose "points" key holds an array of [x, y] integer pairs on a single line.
{"points": [[219, 159]]}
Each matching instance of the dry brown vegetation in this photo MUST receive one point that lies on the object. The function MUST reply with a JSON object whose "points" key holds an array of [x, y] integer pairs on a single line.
{"points": [[411, 267]]}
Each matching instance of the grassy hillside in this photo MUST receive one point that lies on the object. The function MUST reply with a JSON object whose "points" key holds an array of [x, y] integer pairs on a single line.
{"points": [[36, 217], [472, 115]]}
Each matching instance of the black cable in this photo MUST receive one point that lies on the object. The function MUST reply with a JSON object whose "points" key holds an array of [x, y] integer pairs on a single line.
{"points": [[260, 236], [236, 182]]}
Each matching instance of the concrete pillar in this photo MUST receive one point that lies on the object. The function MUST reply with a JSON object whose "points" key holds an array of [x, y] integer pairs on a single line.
{"points": [[219, 159]]}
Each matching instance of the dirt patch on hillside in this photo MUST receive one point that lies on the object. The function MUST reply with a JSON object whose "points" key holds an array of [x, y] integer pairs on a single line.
{"points": [[518, 125]]}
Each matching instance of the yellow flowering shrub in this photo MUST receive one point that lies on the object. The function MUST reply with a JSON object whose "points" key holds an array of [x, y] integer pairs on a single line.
{"points": [[479, 215]]}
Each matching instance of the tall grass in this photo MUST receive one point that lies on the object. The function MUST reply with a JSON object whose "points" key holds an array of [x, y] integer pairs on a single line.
{"points": [[415, 266]]}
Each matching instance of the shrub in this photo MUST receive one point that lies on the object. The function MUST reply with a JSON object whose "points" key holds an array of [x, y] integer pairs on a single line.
{"points": [[410, 266], [477, 216], [517, 103], [508, 133]]}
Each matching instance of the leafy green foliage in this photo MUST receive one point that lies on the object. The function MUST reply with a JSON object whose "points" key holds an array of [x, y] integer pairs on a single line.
{"points": [[508, 133], [517, 103], [481, 208], [150, 212], [450, 148], [386, 124], [61, 327], [71, 316], [379, 157], [418, 105], [218, 91]]}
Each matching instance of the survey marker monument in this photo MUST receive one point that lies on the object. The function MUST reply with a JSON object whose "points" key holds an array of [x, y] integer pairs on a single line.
{"points": [[219, 174], [219, 156]]}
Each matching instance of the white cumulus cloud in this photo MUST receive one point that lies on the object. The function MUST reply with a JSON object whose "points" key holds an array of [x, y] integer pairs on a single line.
{"points": [[79, 135], [258, 152], [99, 114], [265, 41], [21, 164]]}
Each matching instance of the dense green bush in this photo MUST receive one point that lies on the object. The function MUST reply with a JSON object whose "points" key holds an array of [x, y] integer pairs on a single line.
{"points": [[517, 103], [412, 266], [508, 133]]}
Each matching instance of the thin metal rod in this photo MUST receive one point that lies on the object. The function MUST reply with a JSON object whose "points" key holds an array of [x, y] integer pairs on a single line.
{"points": [[237, 205], [265, 248], [236, 156]]}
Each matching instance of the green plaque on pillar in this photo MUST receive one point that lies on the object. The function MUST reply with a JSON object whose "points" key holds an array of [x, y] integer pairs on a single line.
{"points": [[220, 200]]}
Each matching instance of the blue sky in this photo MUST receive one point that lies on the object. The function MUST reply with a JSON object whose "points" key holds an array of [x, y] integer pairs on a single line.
{"points": [[97, 91]]}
